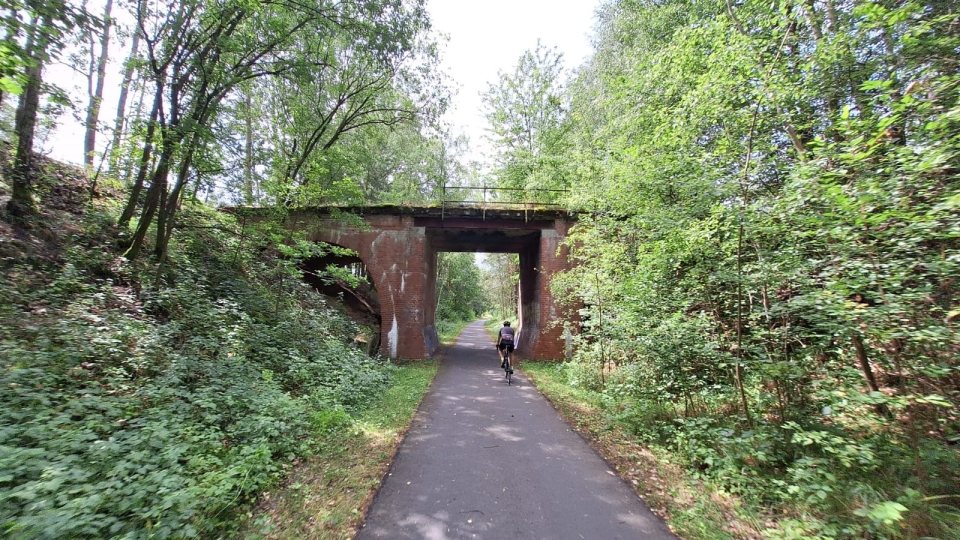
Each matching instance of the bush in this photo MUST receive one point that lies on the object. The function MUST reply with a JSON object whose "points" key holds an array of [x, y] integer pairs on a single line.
{"points": [[649, 422], [156, 414]]}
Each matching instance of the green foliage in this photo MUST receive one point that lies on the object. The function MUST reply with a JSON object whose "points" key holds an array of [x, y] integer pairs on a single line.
{"points": [[350, 118], [693, 507], [136, 412], [36, 32], [459, 293], [525, 111], [10, 78], [767, 275], [448, 331], [500, 279], [321, 498]]}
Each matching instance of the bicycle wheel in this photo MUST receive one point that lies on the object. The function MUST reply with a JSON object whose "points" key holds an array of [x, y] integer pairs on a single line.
{"points": [[509, 372]]}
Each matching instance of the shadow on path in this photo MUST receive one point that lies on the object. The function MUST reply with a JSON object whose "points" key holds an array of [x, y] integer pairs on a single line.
{"points": [[489, 461]]}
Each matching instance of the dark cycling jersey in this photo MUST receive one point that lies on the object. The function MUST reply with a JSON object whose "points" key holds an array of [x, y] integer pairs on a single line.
{"points": [[506, 334]]}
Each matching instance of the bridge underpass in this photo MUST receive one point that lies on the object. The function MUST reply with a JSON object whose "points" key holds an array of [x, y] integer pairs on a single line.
{"points": [[399, 247]]}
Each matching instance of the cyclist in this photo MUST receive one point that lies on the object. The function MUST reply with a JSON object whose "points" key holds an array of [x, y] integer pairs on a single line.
{"points": [[505, 341]]}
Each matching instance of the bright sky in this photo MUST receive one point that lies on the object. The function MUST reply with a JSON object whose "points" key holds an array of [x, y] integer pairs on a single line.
{"points": [[485, 37], [489, 36]]}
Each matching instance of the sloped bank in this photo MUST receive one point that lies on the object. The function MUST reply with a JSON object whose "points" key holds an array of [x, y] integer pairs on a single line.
{"points": [[144, 401]]}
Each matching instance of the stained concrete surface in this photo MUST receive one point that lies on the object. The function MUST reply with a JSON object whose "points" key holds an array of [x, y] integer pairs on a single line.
{"points": [[484, 460]]}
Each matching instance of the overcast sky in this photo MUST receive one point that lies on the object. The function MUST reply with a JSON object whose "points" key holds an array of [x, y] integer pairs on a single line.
{"points": [[489, 36]]}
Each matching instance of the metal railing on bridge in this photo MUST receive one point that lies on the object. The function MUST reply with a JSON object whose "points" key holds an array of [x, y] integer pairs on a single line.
{"points": [[499, 198], [489, 197]]}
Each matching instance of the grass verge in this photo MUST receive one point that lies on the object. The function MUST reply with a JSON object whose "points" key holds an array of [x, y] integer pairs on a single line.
{"points": [[326, 495], [693, 510], [492, 326], [449, 330]]}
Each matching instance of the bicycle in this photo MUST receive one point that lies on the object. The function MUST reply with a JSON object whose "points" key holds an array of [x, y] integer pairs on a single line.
{"points": [[508, 366]]}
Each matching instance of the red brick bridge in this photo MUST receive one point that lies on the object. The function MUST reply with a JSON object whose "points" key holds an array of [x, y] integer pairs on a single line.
{"points": [[399, 247]]}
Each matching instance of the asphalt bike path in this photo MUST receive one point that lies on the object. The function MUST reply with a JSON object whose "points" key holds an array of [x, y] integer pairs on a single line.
{"points": [[484, 460]]}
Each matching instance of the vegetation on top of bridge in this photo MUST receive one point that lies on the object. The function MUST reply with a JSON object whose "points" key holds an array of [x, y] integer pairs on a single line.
{"points": [[522, 197], [481, 211]]}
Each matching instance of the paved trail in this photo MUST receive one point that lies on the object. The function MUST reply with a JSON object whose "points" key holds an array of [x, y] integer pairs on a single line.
{"points": [[489, 461]]}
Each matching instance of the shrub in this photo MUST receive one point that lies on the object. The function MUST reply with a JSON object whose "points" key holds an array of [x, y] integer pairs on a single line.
{"points": [[136, 411]]}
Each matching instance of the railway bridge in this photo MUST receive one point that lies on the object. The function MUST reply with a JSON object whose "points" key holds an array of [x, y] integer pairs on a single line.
{"points": [[399, 247]]}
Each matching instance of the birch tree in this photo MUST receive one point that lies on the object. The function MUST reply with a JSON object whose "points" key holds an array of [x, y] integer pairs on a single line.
{"points": [[96, 79]]}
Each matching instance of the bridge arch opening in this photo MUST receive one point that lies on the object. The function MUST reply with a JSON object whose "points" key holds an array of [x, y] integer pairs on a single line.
{"points": [[342, 274], [525, 243], [500, 273]]}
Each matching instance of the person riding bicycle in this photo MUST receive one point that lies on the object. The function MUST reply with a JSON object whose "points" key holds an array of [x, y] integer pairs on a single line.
{"points": [[505, 341]]}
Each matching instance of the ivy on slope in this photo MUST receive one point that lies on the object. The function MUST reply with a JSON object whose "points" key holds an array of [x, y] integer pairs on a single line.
{"points": [[133, 411]]}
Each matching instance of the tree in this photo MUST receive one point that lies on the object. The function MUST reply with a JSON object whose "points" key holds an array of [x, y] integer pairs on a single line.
{"points": [[120, 119], [34, 43], [401, 164], [771, 205], [526, 115], [501, 278], [199, 54], [459, 294], [96, 78], [349, 92]]}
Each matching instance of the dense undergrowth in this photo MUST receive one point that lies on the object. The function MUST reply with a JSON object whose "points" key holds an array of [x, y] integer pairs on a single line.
{"points": [[850, 477], [326, 496], [693, 508], [767, 265], [152, 402]]}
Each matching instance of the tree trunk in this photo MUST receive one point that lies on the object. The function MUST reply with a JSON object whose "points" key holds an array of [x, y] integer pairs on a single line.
{"points": [[125, 166], [168, 210], [21, 205], [600, 337], [155, 197], [867, 371], [737, 368], [122, 104], [248, 153], [96, 97], [134, 199], [811, 15], [440, 278], [831, 14]]}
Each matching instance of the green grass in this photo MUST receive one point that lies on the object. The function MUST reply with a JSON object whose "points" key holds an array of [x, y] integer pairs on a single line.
{"points": [[449, 330], [493, 325], [692, 509], [327, 495]]}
